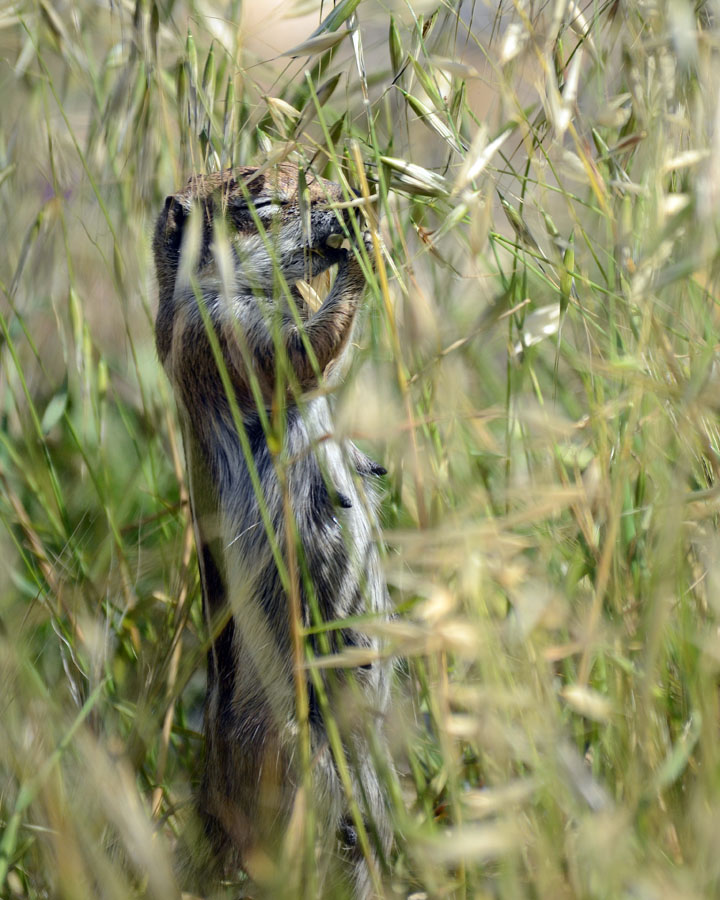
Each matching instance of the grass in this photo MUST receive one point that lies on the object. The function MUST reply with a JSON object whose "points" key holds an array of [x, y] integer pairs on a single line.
{"points": [[537, 373]]}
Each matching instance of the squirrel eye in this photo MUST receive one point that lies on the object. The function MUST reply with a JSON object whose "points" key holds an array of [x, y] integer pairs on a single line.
{"points": [[259, 202], [269, 207], [270, 201]]}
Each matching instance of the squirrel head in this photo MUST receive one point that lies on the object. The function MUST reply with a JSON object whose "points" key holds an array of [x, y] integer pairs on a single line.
{"points": [[240, 230]]}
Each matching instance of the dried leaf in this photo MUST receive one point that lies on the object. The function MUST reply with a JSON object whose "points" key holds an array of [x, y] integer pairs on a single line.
{"points": [[317, 44], [455, 67], [283, 107], [541, 323], [479, 155], [586, 702], [493, 800], [335, 19], [433, 121], [472, 842], [396, 52], [515, 39], [350, 658], [416, 178], [685, 160]]}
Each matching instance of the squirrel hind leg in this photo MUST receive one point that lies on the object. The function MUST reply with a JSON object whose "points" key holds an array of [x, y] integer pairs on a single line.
{"points": [[364, 465]]}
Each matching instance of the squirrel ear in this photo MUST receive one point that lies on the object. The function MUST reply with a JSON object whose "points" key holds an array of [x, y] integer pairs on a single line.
{"points": [[172, 222], [174, 209]]}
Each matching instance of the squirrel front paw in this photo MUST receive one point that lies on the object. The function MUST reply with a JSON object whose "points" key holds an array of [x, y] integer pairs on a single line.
{"points": [[368, 242], [336, 247]]}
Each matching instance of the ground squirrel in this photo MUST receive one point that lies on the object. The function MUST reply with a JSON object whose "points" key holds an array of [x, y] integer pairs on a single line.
{"points": [[229, 251]]}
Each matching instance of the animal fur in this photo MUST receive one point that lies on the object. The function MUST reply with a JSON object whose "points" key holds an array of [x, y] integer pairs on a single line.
{"points": [[228, 289]]}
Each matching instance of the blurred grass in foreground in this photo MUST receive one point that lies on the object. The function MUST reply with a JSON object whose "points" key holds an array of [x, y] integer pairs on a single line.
{"points": [[540, 380]]}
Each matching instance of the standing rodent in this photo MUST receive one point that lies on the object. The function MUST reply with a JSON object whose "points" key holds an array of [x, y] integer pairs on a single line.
{"points": [[229, 250]]}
